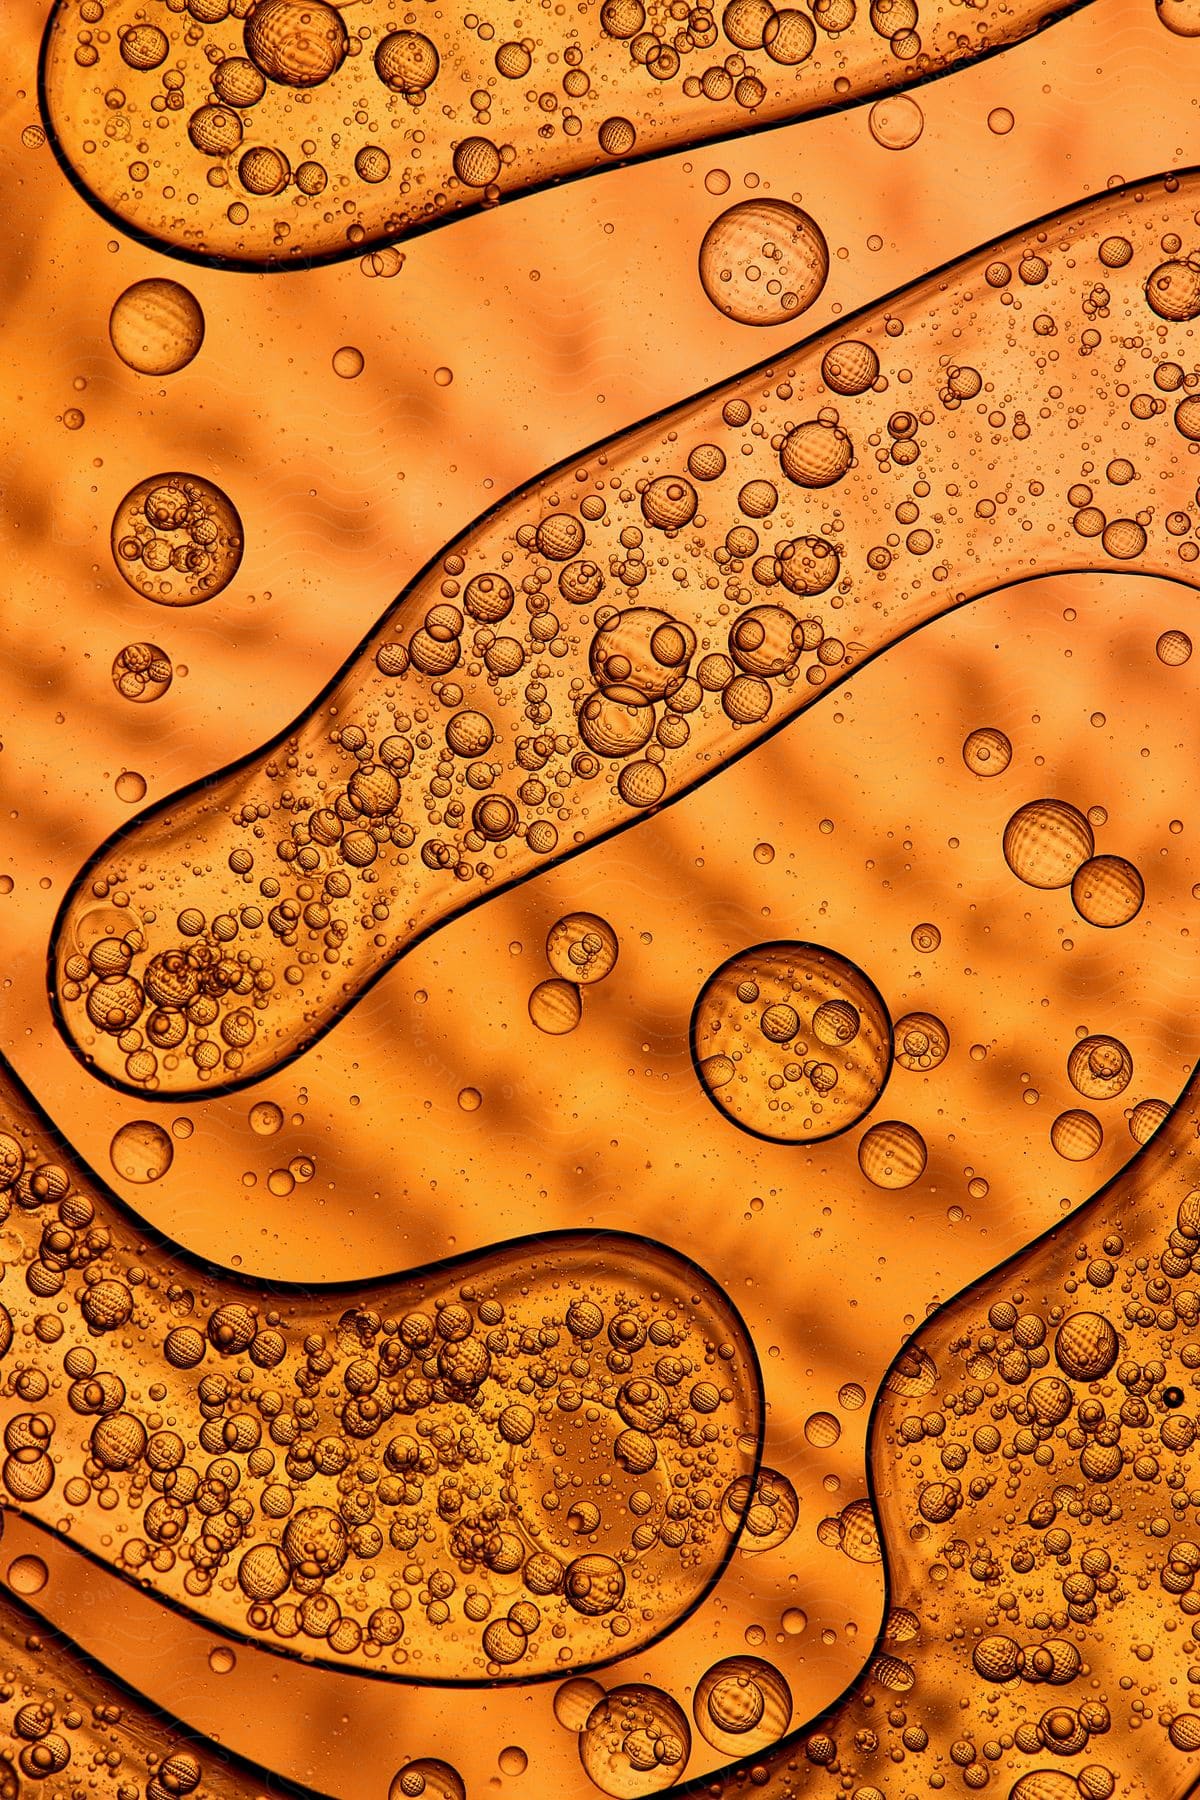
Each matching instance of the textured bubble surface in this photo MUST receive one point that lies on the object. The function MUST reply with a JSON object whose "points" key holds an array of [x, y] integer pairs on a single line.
{"points": [[248, 104], [454, 1475], [600, 644]]}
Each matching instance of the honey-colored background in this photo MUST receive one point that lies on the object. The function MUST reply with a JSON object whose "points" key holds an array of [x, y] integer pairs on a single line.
{"points": [[564, 318]]}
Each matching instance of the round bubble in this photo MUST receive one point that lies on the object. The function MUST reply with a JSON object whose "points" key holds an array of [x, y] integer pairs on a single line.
{"points": [[156, 327], [1045, 841], [763, 262], [636, 1741], [1076, 1135], [921, 1041], [892, 1154], [582, 947], [791, 1041], [742, 1704], [987, 751], [177, 539], [575, 1701], [766, 1508], [556, 1007], [141, 1151], [428, 1778], [1099, 1067], [896, 121], [1107, 891], [1174, 647], [141, 673]]}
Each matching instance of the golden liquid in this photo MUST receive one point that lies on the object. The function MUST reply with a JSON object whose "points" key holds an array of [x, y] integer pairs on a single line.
{"points": [[438, 1118]]}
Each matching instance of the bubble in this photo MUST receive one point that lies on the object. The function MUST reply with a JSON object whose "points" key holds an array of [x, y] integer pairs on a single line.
{"points": [[1099, 1067], [851, 1395], [892, 1154], [141, 1151], [822, 1430], [142, 672], [296, 43], [582, 948], [470, 1099], [348, 362], [1107, 891], [1181, 17], [1085, 1346], [763, 262], [575, 1701], [1146, 1118], [771, 624], [636, 1741], [27, 1575], [513, 1760], [443, 377], [222, 1660], [1045, 841], [742, 1704], [556, 1007], [156, 327], [921, 1041], [1000, 121], [766, 1507], [987, 751], [926, 938], [897, 122], [130, 787], [1175, 647], [850, 368], [168, 1378], [791, 1041], [427, 1778], [266, 1118], [1076, 1135], [176, 539]]}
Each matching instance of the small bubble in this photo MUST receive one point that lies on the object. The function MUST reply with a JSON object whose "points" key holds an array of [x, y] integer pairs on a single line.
{"points": [[470, 1099], [130, 787], [1000, 121], [27, 1575], [443, 377], [348, 362], [265, 1118], [222, 1660]]}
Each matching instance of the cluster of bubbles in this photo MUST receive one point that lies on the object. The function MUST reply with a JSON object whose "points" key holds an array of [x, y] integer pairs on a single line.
{"points": [[635, 1739], [142, 672], [177, 539], [1033, 1457], [69, 1727], [618, 631], [301, 134], [763, 262], [509, 1465], [794, 1043], [791, 1041], [581, 948], [1051, 844]]}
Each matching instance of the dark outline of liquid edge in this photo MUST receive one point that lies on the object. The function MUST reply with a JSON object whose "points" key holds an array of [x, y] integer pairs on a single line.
{"points": [[834, 333], [712, 1786], [578, 1237], [55, 1643], [355, 252]]}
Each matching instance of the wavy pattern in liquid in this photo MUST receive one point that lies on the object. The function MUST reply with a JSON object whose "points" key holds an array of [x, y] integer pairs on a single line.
{"points": [[508, 1465], [279, 133], [624, 627]]}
